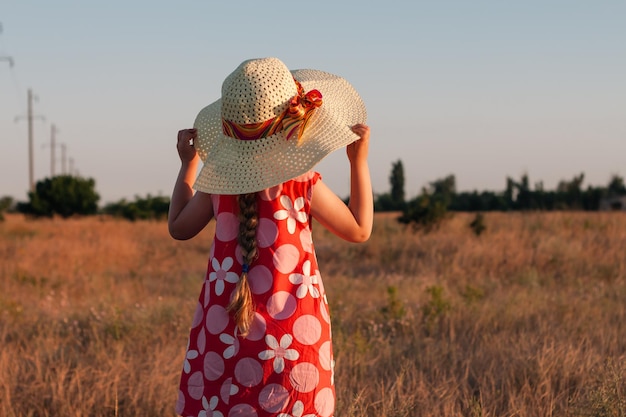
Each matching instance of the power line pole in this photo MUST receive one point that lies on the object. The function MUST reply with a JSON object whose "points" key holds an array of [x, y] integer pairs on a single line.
{"points": [[53, 132], [63, 159], [31, 169], [30, 117]]}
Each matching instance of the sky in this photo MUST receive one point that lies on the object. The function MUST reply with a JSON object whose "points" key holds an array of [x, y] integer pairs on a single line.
{"points": [[482, 90]]}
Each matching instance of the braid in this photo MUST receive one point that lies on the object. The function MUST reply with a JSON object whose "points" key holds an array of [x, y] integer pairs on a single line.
{"points": [[241, 304]]}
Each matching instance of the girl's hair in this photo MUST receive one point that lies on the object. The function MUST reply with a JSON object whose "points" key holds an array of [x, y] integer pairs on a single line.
{"points": [[241, 305]]}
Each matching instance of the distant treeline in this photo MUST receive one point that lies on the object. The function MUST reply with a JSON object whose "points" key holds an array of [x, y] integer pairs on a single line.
{"points": [[518, 195], [67, 196]]}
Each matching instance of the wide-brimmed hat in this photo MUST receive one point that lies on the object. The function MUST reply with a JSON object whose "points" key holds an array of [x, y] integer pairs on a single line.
{"points": [[272, 125]]}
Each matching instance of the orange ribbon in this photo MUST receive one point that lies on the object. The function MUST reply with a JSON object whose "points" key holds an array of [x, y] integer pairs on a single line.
{"points": [[293, 121], [300, 111]]}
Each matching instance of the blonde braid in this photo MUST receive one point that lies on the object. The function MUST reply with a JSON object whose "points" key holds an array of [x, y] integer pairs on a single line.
{"points": [[241, 304]]}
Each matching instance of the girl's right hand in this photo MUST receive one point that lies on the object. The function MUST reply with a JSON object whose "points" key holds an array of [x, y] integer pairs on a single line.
{"points": [[186, 144]]}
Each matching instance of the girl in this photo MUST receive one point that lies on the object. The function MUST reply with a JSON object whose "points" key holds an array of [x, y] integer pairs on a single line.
{"points": [[260, 342]]}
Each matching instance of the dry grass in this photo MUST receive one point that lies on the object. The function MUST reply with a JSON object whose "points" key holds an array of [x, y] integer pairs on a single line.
{"points": [[529, 319]]}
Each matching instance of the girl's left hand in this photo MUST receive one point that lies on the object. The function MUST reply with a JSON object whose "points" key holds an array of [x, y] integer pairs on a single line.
{"points": [[359, 149], [186, 144]]}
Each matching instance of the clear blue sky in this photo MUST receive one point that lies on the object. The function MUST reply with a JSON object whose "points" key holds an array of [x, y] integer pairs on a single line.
{"points": [[479, 89]]}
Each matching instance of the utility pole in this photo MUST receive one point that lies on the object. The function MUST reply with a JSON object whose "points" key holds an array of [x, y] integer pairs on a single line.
{"points": [[53, 132], [30, 117], [63, 159], [31, 170]]}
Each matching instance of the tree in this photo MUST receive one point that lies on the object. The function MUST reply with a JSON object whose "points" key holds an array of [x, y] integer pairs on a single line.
{"points": [[571, 191], [616, 186], [6, 203], [427, 211], [444, 189], [64, 195], [396, 179]]}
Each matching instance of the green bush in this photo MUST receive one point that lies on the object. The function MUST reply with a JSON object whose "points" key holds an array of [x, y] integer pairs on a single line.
{"points": [[425, 212], [478, 224], [64, 195], [149, 208]]}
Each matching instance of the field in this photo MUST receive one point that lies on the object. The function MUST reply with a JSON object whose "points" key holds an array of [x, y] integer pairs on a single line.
{"points": [[527, 319]]}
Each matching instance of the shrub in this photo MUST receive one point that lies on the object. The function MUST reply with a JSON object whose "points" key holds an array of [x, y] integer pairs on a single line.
{"points": [[149, 208], [478, 224], [426, 212], [64, 195]]}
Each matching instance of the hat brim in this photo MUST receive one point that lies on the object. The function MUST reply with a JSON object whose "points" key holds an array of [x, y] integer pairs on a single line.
{"points": [[233, 166]]}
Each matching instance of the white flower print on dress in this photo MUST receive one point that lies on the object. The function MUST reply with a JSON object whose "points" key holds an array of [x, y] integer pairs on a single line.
{"points": [[296, 411], [209, 408], [306, 281], [222, 273], [191, 354], [233, 343], [292, 212], [279, 352]]}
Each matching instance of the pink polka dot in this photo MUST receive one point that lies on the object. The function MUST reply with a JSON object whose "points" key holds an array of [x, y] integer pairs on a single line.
{"points": [[180, 403], [226, 390], [248, 372], [306, 240], [197, 316], [260, 279], [304, 377], [307, 329], [281, 305], [257, 328], [266, 233], [213, 366], [216, 319], [242, 410], [207, 294], [273, 398], [326, 356], [325, 402], [239, 255], [226, 226], [201, 341], [195, 385], [286, 258]]}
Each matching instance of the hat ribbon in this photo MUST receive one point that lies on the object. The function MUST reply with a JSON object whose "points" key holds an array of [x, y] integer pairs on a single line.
{"points": [[293, 120]]}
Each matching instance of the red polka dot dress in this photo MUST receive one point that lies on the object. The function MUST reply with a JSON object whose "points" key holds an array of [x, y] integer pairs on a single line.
{"points": [[284, 366]]}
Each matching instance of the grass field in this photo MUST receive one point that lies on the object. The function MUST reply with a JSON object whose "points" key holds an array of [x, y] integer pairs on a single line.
{"points": [[528, 319]]}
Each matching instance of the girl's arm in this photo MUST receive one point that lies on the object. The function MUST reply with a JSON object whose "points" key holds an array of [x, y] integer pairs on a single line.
{"points": [[189, 213], [354, 221]]}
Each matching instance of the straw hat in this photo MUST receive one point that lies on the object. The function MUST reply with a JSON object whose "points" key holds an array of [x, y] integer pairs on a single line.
{"points": [[272, 125]]}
